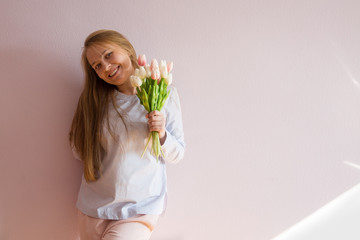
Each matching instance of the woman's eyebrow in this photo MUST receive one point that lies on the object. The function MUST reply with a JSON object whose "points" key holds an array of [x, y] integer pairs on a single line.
{"points": [[100, 56]]}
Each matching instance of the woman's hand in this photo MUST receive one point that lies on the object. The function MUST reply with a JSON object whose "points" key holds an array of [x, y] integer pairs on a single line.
{"points": [[156, 121]]}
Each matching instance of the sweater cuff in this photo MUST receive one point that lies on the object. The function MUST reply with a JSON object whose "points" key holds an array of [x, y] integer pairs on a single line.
{"points": [[173, 151]]}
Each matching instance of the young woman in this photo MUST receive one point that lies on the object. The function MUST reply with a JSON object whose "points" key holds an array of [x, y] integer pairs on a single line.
{"points": [[122, 194]]}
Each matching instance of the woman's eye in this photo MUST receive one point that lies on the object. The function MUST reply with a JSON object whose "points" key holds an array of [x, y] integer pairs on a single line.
{"points": [[108, 55], [97, 66]]}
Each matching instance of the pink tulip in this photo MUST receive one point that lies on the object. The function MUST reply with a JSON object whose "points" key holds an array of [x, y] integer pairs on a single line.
{"points": [[155, 74], [142, 60], [154, 65], [170, 66]]}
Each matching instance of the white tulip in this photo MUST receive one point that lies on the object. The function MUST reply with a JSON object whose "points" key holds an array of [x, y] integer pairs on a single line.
{"points": [[137, 72], [135, 81], [142, 72], [168, 80], [163, 63], [163, 69], [148, 70]]}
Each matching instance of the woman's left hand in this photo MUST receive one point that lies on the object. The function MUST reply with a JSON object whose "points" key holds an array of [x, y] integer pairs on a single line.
{"points": [[156, 121]]}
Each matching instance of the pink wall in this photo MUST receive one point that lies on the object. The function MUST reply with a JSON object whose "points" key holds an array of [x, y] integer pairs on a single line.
{"points": [[270, 96]]}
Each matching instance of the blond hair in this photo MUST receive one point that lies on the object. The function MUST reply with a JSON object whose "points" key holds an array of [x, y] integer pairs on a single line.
{"points": [[93, 106]]}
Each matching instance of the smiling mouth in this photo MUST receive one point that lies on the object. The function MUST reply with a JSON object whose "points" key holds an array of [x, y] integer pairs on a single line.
{"points": [[114, 72]]}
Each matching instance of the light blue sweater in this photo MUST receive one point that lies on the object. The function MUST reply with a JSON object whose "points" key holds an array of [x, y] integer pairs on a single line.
{"points": [[131, 185]]}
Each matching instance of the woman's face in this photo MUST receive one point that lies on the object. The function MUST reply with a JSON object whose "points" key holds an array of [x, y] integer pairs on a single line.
{"points": [[112, 64]]}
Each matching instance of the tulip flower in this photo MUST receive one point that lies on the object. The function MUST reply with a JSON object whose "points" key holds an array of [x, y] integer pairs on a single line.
{"points": [[155, 74], [154, 65], [168, 80], [163, 69], [170, 66], [142, 72], [148, 71], [137, 72], [142, 60], [135, 81]]}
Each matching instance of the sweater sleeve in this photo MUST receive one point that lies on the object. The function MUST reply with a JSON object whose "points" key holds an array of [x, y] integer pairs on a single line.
{"points": [[174, 145]]}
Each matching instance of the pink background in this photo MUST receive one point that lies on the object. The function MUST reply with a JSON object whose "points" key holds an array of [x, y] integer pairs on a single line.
{"points": [[271, 107]]}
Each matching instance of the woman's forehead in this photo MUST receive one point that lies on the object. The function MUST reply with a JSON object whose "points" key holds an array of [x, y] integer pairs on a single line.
{"points": [[95, 51], [99, 47]]}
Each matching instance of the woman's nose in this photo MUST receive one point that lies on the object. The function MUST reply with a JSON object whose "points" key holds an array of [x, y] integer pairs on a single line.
{"points": [[107, 66]]}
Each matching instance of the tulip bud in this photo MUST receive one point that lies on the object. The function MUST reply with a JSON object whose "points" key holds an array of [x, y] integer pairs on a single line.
{"points": [[163, 69], [170, 66], [155, 74], [148, 71], [142, 60], [158, 74], [168, 80], [142, 72], [135, 81], [137, 72], [154, 65]]}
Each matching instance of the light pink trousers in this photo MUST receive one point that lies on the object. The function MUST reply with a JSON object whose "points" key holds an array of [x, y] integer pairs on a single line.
{"points": [[136, 228]]}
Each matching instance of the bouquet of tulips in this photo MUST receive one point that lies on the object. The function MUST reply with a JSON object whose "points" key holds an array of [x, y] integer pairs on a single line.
{"points": [[151, 83]]}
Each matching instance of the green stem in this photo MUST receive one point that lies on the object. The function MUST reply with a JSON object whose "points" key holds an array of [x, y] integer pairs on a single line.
{"points": [[147, 144], [156, 144]]}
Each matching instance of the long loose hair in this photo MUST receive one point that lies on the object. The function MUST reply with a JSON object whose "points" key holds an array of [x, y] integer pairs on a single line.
{"points": [[93, 106]]}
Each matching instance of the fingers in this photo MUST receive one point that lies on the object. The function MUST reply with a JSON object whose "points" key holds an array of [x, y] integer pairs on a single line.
{"points": [[156, 122], [155, 116], [154, 113]]}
